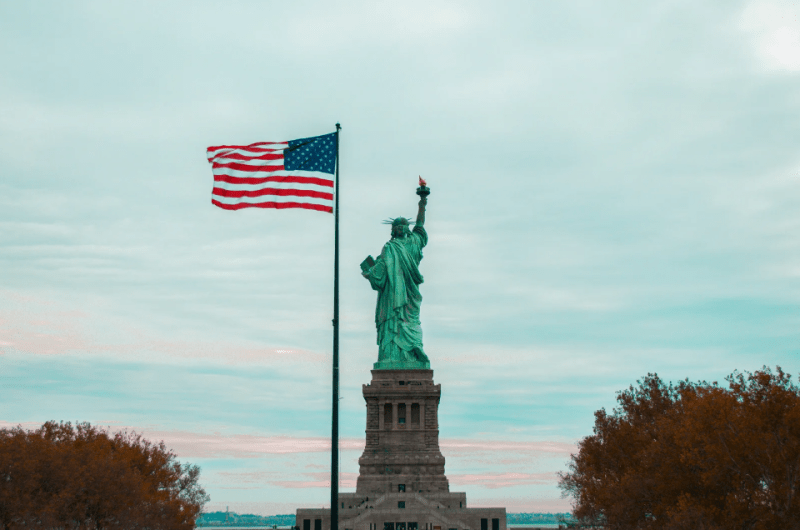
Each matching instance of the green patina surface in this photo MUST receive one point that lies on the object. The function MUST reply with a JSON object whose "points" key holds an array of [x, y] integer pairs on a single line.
{"points": [[396, 277]]}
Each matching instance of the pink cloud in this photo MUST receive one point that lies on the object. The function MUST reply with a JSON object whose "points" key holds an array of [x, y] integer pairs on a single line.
{"points": [[188, 444], [506, 446], [261, 478], [215, 445], [27, 425], [38, 326], [502, 480], [299, 484], [322, 480]]}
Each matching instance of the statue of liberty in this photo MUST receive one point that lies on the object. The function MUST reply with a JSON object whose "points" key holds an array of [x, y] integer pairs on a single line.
{"points": [[396, 277]]}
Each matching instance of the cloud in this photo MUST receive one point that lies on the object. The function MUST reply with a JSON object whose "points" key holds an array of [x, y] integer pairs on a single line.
{"points": [[216, 445], [37, 325], [219, 445], [502, 447], [502, 480], [318, 480], [774, 28], [379, 23]]}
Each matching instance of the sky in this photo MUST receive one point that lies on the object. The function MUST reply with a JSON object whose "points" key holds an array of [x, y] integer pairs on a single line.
{"points": [[615, 191]]}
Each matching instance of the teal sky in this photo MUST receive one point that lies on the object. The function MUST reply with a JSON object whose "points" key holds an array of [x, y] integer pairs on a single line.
{"points": [[615, 191]]}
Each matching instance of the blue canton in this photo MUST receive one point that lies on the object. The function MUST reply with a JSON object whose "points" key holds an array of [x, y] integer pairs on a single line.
{"points": [[317, 153]]}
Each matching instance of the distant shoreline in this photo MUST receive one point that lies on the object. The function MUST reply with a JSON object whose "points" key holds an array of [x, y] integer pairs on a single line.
{"points": [[515, 526], [513, 520]]}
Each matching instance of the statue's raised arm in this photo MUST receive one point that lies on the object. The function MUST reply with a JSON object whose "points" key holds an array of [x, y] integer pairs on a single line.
{"points": [[396, 277], [423, 191]]}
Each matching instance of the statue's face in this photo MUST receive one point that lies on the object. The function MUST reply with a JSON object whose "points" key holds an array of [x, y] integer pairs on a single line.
{"points": [[397, 231]]}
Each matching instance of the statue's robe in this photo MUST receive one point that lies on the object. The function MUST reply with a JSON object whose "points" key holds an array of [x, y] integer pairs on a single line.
{"points": [[396, 277]]}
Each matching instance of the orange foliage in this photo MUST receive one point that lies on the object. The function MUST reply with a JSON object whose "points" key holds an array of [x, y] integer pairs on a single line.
{"points": [[82, 477], [693, 456]]}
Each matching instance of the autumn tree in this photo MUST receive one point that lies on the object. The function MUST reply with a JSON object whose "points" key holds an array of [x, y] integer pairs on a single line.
{"points": [[84, 477], [693, 456]]}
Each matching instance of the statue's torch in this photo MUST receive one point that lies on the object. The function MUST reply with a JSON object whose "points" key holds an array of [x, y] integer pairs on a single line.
{"points": [[423, 190]]}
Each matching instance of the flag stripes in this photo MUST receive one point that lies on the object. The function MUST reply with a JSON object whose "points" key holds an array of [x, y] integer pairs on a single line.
{"points": [[271, 204], [261, 180], [255, 175]]}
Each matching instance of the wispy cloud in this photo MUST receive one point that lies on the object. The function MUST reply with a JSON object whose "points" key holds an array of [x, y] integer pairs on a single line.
{"points": [[38, 325], [774, 27], [503, 480]]}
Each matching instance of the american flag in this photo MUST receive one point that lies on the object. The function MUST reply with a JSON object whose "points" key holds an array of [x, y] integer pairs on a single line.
{"points": [[293, 174]]}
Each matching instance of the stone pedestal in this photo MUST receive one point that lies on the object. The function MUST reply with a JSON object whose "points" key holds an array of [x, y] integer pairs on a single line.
{"points": [[402, 450], [401, 483]]}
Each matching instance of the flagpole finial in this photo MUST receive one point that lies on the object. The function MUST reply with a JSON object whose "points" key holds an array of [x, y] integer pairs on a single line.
{"points": [[338, 126]]}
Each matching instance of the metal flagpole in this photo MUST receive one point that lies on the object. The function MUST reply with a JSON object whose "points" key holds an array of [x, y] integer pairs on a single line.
{"points": [[335, 408]]}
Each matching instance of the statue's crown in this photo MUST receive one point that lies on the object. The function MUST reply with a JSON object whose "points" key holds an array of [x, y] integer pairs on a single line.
{"points": [[398, 221]]}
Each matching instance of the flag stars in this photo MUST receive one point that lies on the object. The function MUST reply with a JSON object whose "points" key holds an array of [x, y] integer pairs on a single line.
{"points": [[312, 154]]}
